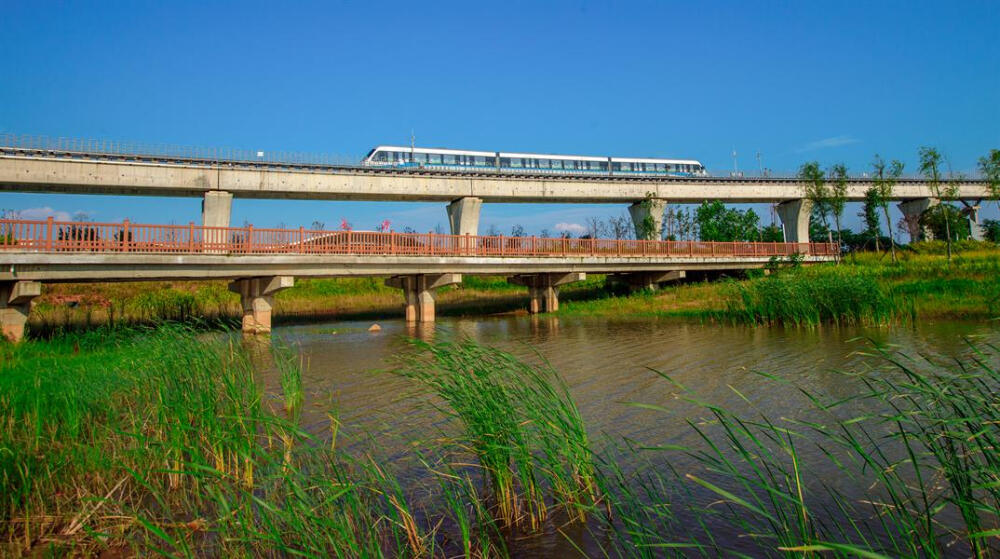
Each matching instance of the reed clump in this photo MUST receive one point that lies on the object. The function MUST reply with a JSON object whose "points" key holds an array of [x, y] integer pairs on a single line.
{"points": [[807, 298], [519, 422], [915, 456]]}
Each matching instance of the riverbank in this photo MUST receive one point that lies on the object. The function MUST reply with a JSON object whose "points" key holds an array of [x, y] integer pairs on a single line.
{"points": [[922, 285]]}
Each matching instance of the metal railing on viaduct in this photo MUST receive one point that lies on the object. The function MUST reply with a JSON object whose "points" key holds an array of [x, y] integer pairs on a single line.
{"points": [[262, 262]]}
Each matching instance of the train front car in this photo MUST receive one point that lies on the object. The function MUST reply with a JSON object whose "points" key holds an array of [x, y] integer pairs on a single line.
{"points": [[655, 166]]}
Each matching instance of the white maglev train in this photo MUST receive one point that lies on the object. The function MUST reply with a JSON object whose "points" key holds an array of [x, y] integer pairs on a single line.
{"points": [[456, 159]]}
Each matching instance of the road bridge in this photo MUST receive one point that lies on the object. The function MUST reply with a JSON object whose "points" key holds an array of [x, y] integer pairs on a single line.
{"points": [[217, 181], [261, 262]]}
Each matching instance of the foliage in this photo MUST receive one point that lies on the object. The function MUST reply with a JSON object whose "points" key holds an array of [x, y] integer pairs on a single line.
{"points": [[884, 180], [991, 230], [930, 162], [989, 166], [838, 195], [946, 219], [816, 190], [869, 215], [716, 222]]}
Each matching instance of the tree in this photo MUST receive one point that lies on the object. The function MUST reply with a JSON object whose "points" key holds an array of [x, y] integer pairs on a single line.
{"points": [[620, 227], [989, 166], [317, 225], [946, 220], [930, 163], [838, 196], [595, 227], [869, 215], [816, 190], [991, 230], [772, 234], [517, 230], [718, 223], [883, 181]]}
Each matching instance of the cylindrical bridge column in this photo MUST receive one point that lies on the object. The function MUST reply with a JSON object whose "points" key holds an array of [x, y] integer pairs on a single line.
{"points": [[257, 299], [543, 289], [418, 293]]}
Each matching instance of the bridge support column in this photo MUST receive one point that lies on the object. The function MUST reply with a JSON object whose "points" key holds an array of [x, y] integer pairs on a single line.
{"points": [[648, 280], [543, 289], [647, 218], [418, 291], [975, 228], [463, 215], [912, 210], [15, 303], [216, 209], [257, 299], [794, 216]]}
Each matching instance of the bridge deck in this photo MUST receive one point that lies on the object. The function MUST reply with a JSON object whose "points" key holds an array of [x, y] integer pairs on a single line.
{"points": [[71, 251]]}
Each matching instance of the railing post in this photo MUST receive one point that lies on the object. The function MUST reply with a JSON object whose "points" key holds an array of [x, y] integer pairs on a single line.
{"points": [[533, 249], [125, 233], [48, 233], [592, 248], [713, 247], [564, 247], [249, 230], [302, 239], [691, 249], [191, 236], [501, 245], [392, 242]]}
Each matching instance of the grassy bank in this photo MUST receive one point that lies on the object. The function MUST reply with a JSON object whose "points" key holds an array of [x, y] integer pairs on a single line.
{"points": [[864, 288], [164, 441], [87, 305]]}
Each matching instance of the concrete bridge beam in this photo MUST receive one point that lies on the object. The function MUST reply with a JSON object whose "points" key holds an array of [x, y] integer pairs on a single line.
{"points": [[647, 218], [794, 216], [418, 293], [15, 303], [648, 280], [257, 299], [463, 215], [912, 210], [543, 289]]}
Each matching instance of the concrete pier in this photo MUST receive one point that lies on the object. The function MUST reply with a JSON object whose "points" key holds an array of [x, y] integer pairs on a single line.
{"points": [[418, 293], [794, 216], [216, 208], [648, 280], [257, 299], [912, 210], [543, 289], [652, 209], [975, 228], [463, 215], [15, 302]]}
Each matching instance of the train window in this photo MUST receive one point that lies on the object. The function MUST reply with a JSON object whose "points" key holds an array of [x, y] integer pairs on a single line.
{"points": [[420, 158], [556, 164], [544, 164], [516, 162], [434, 158], [479, 161], [449, 159]]}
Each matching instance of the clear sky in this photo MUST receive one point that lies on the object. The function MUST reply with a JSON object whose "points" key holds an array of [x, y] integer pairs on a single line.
{"points": [[795, 81]]}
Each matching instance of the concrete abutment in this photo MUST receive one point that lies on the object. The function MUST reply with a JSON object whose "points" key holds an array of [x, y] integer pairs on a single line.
{"points": [[418, 293], [15, 304], [257, 300], [543, 289]]}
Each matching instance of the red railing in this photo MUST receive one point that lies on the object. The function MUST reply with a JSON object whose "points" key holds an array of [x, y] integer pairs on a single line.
{"points": [[61, 236]]}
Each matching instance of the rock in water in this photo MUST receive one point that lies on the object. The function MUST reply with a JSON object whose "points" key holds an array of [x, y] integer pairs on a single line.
{"points": [[374, 328]]}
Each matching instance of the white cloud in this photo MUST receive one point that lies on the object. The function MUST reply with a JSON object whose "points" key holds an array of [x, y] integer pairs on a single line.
{"points": [[835, 141], [44, 213], [574, 228]]}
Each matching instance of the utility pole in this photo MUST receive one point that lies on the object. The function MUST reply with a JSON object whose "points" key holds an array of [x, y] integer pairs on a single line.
{"points": [[413, 141], [736, 169]]}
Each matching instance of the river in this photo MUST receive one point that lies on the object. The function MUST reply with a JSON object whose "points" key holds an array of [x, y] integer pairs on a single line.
{"points": [[606, 364]]}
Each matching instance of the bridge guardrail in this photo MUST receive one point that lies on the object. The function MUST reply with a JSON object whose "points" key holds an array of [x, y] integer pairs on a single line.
{"points": [[126, 237]]}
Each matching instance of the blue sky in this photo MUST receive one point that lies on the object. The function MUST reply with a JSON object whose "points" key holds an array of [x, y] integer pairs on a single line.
{"points": [[835, 82]]}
